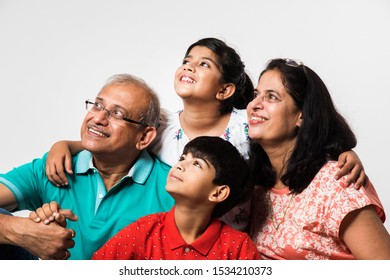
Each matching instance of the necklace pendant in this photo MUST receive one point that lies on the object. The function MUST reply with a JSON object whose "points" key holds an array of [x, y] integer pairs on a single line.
{"points": [[276, 225]]}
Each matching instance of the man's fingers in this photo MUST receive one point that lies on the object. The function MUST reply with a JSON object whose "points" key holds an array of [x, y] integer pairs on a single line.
{"points": [[72, 233], [65, 256]]}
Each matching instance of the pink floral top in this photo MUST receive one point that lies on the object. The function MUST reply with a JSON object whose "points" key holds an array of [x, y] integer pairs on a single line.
{"points": [[306, 225]]}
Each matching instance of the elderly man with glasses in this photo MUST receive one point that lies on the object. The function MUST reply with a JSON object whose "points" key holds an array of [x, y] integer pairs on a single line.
{"points": [[115, 180]]}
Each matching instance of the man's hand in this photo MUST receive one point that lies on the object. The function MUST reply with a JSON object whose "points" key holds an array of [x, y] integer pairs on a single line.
{"points": [[50, 241], [51, 214]]}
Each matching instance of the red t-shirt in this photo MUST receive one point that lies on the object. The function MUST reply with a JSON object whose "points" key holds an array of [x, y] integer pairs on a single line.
{"points": [[156, 237]]}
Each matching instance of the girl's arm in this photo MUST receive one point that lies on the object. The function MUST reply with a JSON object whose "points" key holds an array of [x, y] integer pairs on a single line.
{"points": [[350, 165], [59, 161]]}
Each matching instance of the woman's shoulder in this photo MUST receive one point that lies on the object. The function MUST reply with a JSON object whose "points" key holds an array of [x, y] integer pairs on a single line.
{"points": [[339, 192], [329, 170], [329, 167], [327, 175]]}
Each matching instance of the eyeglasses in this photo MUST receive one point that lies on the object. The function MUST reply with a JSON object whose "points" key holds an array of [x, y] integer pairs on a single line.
{"points": [[268, 96], [295, 63], [114, 115]]}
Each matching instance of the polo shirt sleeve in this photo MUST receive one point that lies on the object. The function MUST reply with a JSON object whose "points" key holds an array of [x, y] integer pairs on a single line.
{"points": [[248, 250], [27, 182]]}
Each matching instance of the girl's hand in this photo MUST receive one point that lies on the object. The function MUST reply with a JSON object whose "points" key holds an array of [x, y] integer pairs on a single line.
{"points": [[52, 212], [59, 161]]}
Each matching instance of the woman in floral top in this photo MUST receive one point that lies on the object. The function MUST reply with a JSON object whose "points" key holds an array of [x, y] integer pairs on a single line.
{"points": [[298, 134]]}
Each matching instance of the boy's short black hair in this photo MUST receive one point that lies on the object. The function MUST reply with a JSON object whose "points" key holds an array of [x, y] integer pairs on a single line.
{"points": [[230, 169]]}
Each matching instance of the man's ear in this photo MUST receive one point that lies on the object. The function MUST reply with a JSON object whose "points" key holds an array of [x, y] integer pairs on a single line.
{"points": [[148, 135], [226, 91], [220, 193]]}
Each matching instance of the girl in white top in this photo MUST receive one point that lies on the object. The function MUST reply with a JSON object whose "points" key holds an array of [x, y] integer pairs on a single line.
{"points": [[172, 138], [215, 91]]}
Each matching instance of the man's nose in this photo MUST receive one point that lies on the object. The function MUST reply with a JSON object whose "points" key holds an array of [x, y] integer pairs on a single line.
{"points": [[102, 116]]}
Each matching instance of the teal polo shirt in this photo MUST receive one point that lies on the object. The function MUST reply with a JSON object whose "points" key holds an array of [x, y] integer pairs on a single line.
{"points": [[101, 214]]}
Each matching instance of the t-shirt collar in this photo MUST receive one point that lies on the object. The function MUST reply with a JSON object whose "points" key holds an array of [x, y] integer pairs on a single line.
{"points": [[139, 171], [203, 244]]}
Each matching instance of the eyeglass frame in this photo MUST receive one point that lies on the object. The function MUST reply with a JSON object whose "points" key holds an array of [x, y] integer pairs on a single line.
{"points": [[289, 62], [102, 108], [293, 62], [265, 97], [296, 63]]}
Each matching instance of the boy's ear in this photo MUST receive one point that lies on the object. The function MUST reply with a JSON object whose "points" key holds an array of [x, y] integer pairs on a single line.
{"points": [[147, 136], [219, 194], [226, 91]]}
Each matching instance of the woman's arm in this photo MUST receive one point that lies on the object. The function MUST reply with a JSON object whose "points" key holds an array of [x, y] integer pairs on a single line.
{"points": [[365, 235], [59, 161]]}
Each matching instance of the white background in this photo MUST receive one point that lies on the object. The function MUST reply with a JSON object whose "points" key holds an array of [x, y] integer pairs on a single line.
{"points": [[56, 54]]}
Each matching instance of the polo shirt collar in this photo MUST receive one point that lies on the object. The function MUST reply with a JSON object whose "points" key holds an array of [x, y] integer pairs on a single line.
{"points": [[139, 171], [203, 244]]}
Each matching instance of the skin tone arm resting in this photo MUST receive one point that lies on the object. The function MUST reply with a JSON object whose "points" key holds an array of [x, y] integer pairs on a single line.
{"points": [[44, 242]]}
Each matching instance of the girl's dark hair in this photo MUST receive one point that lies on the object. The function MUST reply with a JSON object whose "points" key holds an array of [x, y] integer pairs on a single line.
{"points": [[230, 169], [233, 71], [324, 133]]}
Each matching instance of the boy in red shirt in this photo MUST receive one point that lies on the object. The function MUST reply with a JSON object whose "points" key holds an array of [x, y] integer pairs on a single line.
{"points": [[210, 178]]}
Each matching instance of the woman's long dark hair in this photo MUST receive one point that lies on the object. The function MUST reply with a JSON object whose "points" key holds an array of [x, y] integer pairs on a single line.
{"points": [[233, 71]]}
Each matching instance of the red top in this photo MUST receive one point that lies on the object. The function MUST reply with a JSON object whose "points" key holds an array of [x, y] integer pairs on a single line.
{"points": [[156, 237]]}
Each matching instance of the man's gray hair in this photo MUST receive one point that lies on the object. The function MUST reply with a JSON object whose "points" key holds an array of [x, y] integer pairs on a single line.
{"points": [[149, 115]]}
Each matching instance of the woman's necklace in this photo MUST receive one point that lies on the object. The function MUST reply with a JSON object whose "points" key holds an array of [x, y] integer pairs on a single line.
{"points": [[275, 224]]}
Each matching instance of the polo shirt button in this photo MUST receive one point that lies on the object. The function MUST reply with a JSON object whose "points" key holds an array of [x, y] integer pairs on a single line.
{"points": [[100, 195], [187, 249]]}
